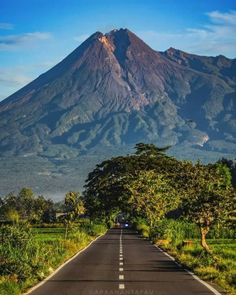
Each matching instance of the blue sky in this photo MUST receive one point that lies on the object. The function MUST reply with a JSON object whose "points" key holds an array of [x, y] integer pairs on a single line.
{"points": [[36, 34]]}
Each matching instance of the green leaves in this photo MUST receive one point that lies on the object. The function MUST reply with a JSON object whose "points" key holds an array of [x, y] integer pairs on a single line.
{"points": [[26, 206], [151, 196], [150, 149], [149, 184], [123, 183], [74, 205], [208, 196]]}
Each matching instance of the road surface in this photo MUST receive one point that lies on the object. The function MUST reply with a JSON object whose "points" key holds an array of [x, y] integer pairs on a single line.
{"points": [[121, 262]]}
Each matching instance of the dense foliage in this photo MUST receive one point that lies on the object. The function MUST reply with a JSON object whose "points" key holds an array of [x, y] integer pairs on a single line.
{"points": [[26, 206], [149, 185], [169, 201], [30, 254]]}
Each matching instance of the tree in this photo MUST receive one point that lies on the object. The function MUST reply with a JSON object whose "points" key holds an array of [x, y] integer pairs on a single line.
{"points": [[25, 203], [231, 164], [9, 202], [13, 216], [27, 206], [152, 196], [107, 185], [105, 192], [150, 150], [208, 196], [74, 207], [43, 210]]}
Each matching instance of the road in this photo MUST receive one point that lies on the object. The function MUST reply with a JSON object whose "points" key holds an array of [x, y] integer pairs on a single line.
{"points": [[121, 262]]}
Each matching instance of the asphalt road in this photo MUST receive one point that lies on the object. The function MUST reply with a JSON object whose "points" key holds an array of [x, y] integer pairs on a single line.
{"points": [[122, 263]]}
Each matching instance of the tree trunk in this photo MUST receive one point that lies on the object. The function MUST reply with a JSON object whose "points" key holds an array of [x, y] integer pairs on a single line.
{"points": [[204, 232]]}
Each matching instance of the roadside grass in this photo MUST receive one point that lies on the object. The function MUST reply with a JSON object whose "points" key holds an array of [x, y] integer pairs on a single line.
{"points": [[218, 268], [9, 286], [28, 255]]}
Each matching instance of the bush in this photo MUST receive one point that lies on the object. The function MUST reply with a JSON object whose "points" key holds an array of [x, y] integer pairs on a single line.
{"points": [[142, 227], [19, 250], [93, 229], [207, 272], [8, 286], [176, 231], [25, 259]]}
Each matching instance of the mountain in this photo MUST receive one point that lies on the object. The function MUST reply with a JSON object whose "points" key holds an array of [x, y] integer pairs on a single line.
{"points": [[110, 93]]}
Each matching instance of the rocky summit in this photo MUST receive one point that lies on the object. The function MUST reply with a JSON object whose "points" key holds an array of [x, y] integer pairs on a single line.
{"points": [[110, 93]]}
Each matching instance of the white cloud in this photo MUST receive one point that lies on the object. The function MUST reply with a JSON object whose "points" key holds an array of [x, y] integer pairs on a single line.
{"points": [[223, 17], [6, 26], [215, 37], [16, 41]]}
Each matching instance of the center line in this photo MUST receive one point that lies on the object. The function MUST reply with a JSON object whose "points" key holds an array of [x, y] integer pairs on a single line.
{"points": [[121, 263], [121, 286], [121, 269], [121, 277], [121, 258]]}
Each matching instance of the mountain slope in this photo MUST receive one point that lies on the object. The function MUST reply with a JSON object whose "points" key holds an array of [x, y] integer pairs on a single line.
{"points": [[114, 91]]}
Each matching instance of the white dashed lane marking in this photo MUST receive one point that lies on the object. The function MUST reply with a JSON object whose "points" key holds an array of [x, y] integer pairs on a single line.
{"points": [[121, 263]]}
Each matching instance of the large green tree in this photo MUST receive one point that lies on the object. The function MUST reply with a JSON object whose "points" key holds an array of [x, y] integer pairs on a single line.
{"points": [[208, 197], [107, 187], [152, 196]]}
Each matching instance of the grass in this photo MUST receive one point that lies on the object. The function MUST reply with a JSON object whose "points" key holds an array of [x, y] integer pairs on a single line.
{"points": [[218, 268], [9, 286], [28, 255]]}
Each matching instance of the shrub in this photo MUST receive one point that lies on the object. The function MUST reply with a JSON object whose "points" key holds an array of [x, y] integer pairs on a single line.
{"points": [[143, 229], [175, 231], [9, 286], [25, 259], [207, 272], [18, 251]]}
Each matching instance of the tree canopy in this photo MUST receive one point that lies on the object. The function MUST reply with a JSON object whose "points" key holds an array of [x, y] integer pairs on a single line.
{"points": [[149, 184], [109, 187]]}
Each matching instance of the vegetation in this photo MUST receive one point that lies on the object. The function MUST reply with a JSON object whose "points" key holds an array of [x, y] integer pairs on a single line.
{"points": [[151, 196], [31, 249], [26, 207], [74, 207], [189, 209], [181, 239], [150, 184], [232, 167], [151, 187], [209, 196]]}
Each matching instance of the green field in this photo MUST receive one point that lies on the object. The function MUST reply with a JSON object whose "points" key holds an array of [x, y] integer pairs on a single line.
{"points": [[49, 234]]}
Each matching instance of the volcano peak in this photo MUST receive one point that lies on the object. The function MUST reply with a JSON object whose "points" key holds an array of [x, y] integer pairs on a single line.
{"points": [[116, 90]]}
